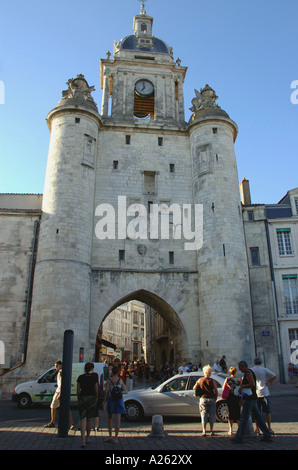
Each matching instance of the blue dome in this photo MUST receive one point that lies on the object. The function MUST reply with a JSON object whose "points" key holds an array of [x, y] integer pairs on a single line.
{"points": [[130, 43]]}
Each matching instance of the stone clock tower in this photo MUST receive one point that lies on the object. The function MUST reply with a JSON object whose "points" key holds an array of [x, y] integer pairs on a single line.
{"points": [[142, 79], [109, 171]]}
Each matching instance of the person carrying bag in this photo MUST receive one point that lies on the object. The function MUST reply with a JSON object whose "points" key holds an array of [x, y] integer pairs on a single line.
{"points": [[229, 393], [206, 389]]}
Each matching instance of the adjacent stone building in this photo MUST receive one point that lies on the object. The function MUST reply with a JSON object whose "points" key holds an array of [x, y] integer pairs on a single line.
{"points": [[138, 204], [19, 217], [271, 232], [125, 328]]}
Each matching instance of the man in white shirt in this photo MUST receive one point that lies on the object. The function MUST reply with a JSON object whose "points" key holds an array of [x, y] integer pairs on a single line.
{"points": [[264, 379], [56, 397], [216, 367], [55, 403], [182, 369]]}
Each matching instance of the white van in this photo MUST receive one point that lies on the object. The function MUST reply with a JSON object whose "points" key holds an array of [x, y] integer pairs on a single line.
{"points": [[42, 390]]}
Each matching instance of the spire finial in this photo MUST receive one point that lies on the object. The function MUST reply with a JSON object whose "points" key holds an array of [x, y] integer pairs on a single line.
{"points": [[143, 7]]}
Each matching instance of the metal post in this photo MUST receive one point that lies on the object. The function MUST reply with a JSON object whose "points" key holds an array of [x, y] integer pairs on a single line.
{"points": [[29, 291], [66, 384]]}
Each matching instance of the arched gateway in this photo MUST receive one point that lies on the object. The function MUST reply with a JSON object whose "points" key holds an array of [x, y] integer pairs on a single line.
{"points": [[170, 302], [138, 203]]}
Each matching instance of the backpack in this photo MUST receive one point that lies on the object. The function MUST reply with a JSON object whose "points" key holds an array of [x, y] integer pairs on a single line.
{"points": [[115, 390]]}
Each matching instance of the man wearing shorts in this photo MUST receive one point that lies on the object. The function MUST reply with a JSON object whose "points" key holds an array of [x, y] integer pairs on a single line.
{"points": [[56, 398], [264, 379]]}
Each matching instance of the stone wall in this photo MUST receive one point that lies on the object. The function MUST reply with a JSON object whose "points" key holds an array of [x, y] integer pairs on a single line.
{"points": [[17, 240]]}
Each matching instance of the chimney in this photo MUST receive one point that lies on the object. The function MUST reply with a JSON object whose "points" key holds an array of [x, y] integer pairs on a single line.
{"points": [[245, 192]]}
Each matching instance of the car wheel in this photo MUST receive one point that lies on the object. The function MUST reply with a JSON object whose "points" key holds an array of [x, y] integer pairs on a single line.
{"points": [[134, 411], [222, 411], [24, 400]]}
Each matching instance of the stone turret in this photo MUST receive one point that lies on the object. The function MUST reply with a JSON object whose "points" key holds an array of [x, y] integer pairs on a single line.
{"points": [[62, 278], [224, 305]]}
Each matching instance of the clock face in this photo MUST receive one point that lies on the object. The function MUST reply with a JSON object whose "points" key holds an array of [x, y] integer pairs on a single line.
{"points": [[144, 88]]}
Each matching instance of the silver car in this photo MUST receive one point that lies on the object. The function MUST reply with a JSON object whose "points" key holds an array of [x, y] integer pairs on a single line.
{"points": [[174, 397]]}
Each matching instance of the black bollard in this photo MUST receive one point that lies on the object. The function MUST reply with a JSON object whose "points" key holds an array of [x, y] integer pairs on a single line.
{"points": [[63, 424]]}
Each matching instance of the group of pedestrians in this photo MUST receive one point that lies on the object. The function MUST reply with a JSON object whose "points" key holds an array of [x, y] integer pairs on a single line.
{"points": [[87, 395], [245, 398], [87, 392], [167, 370], [134, 371]]}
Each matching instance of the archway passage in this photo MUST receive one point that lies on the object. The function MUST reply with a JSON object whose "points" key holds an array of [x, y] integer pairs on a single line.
{"points": [[164, 337]]}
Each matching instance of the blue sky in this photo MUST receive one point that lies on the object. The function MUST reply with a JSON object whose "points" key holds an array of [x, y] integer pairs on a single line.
{"points": [[246, 50]]}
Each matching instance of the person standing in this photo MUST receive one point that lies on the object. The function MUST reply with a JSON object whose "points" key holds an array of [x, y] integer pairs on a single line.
{"points": [[55, 403], [113, 402], [247, 390], [183, 368], [223, 364], [170, 372], [87, 393], [208, 394], [216, 367], [233, 401], [264, 379], [122, 372], [291, 372], [129, 377], [147, 371]]}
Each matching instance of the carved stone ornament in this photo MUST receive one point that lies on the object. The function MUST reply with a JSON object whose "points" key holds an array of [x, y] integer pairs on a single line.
{"points": [[205, 99], [78, 88], [142, 250]]}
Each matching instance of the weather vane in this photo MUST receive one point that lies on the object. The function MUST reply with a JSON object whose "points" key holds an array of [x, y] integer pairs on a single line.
{"points": [[143, 4]]}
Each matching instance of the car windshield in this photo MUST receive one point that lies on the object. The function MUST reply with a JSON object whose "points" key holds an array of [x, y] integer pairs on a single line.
{"points": [[175, 385], [49, 377], [194, 379]]}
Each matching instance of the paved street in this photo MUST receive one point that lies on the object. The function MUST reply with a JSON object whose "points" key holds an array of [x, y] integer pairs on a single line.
{"points": [[23, 430]]}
